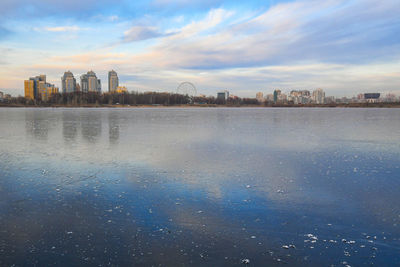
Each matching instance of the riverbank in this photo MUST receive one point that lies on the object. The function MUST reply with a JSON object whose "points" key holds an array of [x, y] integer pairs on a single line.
{"points": [[341, 105]]}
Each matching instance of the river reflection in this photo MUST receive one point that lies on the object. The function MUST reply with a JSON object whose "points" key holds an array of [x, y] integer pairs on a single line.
{"points": [[306, 187], [70, 121], [113, 127], [91, 123], [36, 125]]}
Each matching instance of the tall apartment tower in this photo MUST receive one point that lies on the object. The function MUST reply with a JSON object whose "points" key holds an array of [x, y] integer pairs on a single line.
{"points": [[90, 83], [277, 93], [260, 97], [68, 82], [319, 96], [29, 86], [84, 83], [93, 84], [113, 82]]}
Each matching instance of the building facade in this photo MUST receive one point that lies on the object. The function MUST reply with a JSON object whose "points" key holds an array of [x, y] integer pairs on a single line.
{"points": [[91, 83], [84, 83], [299, 97], [223, 95], [260, 97], [38, 88], [121, 89], [29, 88], [372, 97], [277, 94], [68, 82], [113, 81], [46, 90], [318, 96]]}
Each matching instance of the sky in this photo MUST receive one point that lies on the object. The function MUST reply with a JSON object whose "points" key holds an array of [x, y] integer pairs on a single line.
{"points": [[345, 47]]}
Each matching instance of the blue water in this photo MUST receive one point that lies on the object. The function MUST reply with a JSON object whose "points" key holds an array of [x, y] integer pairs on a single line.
{"points": [[199, 187]]}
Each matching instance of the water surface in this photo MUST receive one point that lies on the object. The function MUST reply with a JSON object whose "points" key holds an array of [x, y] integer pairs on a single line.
{"points": [[210, 187]]}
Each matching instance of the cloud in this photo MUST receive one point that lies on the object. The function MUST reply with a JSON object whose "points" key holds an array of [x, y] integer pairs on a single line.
{"points": [[113, 18], [60, 29], [213, 18], [286, 33], [298, 44], [140, 33]]}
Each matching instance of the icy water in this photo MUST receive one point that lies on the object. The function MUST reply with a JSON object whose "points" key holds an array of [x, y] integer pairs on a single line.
{"points": [[199, 187]]}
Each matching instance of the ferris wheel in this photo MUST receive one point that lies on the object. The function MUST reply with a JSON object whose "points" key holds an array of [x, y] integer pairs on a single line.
{"points": [[187, 88]]}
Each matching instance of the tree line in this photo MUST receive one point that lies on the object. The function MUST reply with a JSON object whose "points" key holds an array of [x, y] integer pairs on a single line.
{"points": [[131, 98]]}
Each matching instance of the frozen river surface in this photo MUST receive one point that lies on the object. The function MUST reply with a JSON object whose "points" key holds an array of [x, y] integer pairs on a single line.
{"points": [[199, 187]]}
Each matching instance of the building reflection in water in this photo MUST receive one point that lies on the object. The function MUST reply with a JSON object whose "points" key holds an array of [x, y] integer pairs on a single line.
{"points": [[113, 127], [91, 125], [70, 125], [37, 124]]}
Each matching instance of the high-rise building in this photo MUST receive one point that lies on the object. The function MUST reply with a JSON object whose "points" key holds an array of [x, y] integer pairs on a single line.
{"points": [[29, 87], [276, 95], [260, 97], [37, 87], [68, 82], [113, 82], [84, 83], [98, 85], [90, 83], [42, 77], [1, 95], [318, 96], [46, 90]]}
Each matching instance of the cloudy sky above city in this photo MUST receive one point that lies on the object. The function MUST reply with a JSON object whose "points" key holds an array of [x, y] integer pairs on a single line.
{"points": [[343, 46]]}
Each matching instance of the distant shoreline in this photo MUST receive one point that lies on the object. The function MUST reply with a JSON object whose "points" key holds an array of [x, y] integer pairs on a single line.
{"points": [[349, 105]]}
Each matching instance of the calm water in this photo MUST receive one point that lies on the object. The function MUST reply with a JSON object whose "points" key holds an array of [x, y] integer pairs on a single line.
{"points": [[210, 187]]}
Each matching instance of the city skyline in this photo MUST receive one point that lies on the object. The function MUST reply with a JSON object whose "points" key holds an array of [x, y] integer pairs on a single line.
{"points": [[344, 47], [37, 86]]}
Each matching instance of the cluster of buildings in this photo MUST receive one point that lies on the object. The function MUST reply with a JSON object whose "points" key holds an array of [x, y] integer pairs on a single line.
{"points": [[37, 87], [318, 97], [295, 97], [4, 96]]}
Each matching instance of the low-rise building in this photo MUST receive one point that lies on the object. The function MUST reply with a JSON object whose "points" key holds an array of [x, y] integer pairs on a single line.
{"points": [[330, 100], [372, 97], [223, 95], [120, 90], [390, 98], [269, 98]]}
